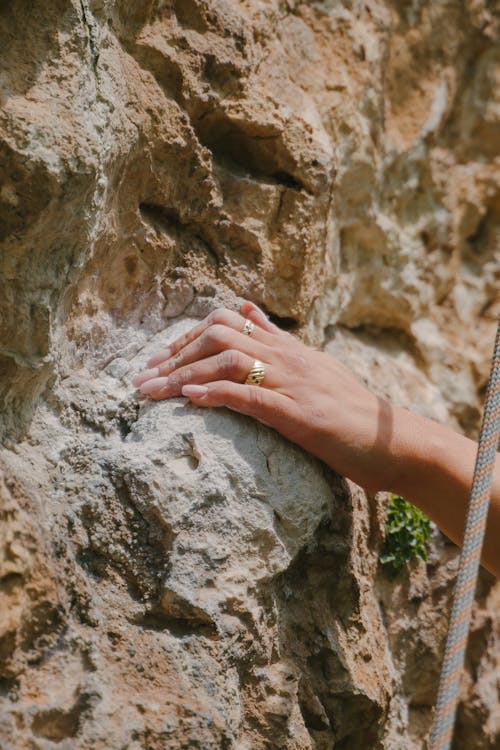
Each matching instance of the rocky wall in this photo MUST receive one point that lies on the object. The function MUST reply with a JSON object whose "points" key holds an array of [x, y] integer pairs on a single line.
{"points": [[172, 578]]}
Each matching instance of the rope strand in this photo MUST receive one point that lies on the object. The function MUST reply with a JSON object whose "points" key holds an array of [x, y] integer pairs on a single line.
{"points": [[449, 684]]}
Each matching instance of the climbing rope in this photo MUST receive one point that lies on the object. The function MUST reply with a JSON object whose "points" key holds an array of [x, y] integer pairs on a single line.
{"points": [[449, 684]]}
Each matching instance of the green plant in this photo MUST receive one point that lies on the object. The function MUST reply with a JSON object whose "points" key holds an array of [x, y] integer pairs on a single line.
{"points": [[407, 530]]}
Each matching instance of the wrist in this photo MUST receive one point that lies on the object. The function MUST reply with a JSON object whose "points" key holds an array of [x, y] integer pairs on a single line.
{"points": [[415, 450], [431, 465]]}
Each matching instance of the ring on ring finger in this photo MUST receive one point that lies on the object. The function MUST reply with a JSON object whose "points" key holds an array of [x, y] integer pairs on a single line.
{"points": [[257, 373]]}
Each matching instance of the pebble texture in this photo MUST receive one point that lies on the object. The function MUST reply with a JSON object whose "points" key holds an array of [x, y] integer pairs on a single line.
{"points": [[173, 578]]}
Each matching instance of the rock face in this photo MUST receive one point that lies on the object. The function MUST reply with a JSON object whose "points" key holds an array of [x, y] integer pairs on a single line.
{"points": [[179, 579]]}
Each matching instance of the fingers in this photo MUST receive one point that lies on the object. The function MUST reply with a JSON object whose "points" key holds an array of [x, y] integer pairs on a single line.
{"points": [[269, 407], [228, 365], [165, 361], [144, 376], [214, 340], [221, 316]]}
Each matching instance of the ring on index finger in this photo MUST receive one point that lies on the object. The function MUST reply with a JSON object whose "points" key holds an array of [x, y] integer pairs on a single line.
{"points": [[248, 327]]}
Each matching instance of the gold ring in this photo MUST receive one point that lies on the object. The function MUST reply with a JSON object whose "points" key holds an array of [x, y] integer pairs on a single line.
{"points": [[248, 327], [256, 374]]}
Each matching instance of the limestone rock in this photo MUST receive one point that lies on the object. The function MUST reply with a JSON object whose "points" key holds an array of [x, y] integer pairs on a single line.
{"points": [[179, 579]]}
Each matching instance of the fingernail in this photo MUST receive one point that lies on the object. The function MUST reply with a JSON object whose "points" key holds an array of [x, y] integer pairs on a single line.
{"points": [[156, 384], [143, 376], [159, 357], [194, 390]]}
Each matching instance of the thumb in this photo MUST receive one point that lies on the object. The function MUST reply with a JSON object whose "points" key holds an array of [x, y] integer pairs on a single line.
{"points": [[271, 408]]}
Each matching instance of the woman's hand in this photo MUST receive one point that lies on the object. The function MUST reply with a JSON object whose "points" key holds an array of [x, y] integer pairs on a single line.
{"points": [[313, 400], [306, 395]]}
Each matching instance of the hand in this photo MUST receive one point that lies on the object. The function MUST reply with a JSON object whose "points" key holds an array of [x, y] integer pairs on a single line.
{"points": [[307, 396], [313, 400]]}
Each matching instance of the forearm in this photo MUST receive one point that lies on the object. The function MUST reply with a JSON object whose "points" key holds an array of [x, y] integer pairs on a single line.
{"points": [[432, 466]]}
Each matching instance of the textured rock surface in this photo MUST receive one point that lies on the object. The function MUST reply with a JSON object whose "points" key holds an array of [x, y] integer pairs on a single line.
{"points": [[175, 579]]}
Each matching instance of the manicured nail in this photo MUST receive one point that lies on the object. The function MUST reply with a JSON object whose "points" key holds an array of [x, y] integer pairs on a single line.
{"points": [[154, 385], [160, 356], [146, 375], [194, 390]]}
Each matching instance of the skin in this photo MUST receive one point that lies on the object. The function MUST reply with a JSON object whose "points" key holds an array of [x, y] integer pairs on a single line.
{"points": [[316, 402]]}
